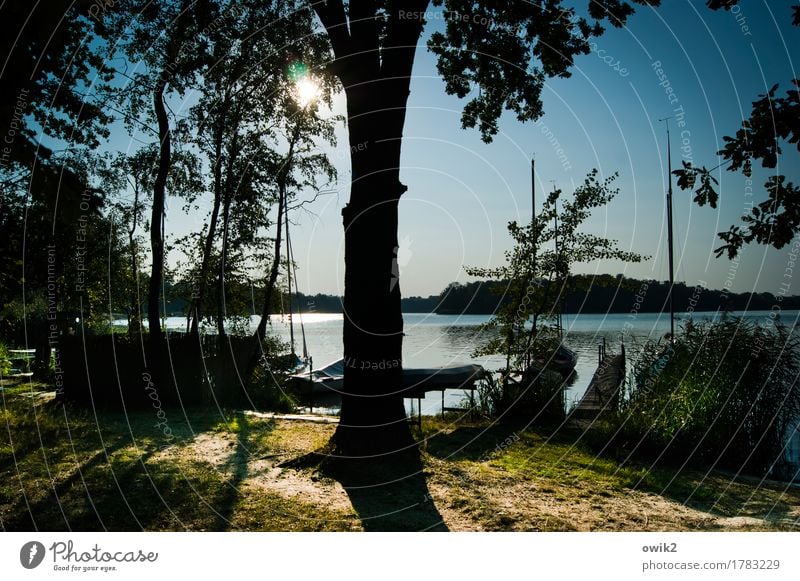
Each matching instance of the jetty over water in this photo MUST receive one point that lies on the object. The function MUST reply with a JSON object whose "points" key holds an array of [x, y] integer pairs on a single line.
{"points": [[603, 392]]}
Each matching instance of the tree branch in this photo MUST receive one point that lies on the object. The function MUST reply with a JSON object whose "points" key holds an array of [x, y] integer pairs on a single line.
{"points": [[332, 16], [364, 35], [402, 37]]}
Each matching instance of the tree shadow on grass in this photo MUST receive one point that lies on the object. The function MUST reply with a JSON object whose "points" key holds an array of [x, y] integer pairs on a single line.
{"points": [[121, 481], [472, 443], [388, 493], [229, 496]]}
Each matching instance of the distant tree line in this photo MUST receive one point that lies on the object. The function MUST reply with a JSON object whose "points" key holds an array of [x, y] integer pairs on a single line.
{"points": [[606, 294]]}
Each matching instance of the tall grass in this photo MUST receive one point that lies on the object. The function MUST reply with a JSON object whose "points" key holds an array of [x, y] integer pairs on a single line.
{"points": [[724, 394]]}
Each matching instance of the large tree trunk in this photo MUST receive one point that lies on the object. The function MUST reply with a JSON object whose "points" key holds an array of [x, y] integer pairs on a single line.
{"points": [[376, 74], [373, 419], [157, 217]]}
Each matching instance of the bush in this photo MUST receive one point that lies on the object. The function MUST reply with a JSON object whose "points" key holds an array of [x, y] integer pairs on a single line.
{"points": [[538, 397], [116, 371], [5, 360], [723, 394]]}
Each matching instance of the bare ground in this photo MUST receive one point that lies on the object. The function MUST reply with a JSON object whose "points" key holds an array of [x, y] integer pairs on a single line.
{"points": [[482, 494], [65, 469]]}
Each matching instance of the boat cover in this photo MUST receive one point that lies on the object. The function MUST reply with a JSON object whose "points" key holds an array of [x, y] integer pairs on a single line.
{"points": [[455, 376]]}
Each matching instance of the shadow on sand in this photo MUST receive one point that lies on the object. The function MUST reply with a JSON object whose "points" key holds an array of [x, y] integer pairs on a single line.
{"points": [[387, 493]]}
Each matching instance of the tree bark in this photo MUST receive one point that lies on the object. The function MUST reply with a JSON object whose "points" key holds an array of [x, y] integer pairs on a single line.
{"points": [[373, 419], [157, 217], [376, 74]]}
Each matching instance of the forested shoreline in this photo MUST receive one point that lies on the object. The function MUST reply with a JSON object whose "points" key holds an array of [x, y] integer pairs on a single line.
{"points": [[598, 294]]}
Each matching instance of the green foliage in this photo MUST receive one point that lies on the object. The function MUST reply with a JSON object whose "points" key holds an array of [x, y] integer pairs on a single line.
{"points": [[5, 360], [724, 394], [537, 397], [507, 50]]}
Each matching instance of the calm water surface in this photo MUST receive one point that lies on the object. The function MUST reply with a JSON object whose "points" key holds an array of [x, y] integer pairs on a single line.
{"points": [[434, 340]]}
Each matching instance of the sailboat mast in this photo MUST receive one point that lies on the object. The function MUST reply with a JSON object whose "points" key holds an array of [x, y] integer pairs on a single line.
{"points": [[555, 240], [289, 273], [533, 189], [669, 235]]}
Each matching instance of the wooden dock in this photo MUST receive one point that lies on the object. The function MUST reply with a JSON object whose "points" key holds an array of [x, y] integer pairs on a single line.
{"points": [[602, 395]]}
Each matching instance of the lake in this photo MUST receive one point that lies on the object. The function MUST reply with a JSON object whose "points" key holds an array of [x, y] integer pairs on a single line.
{"points": [[435, 340]]}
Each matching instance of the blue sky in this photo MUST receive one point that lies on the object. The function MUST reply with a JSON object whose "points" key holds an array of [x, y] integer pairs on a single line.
{"points": [[462, 192]]}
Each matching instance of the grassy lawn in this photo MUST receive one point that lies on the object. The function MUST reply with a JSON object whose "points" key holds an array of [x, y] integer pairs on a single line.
{"points": [[65, 468]]}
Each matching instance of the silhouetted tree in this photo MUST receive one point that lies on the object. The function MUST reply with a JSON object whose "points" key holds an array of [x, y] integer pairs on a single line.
{"points": [[538, 271], [168, 41], [505, 51]]}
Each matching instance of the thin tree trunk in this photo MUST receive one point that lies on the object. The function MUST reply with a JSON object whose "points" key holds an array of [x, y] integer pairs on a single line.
{"points": [[228, 194], [283, 174], [275, 268], [208, 247], [157, 217], [226, 208], [135, 319]]}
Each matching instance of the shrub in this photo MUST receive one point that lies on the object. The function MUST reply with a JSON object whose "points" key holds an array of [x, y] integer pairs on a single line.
{"points": [[723, 394], [5, 360], [267, 385], [537, 397]]}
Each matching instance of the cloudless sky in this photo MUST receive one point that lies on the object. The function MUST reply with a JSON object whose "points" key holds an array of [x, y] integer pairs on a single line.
{"points": [[462, 192]]}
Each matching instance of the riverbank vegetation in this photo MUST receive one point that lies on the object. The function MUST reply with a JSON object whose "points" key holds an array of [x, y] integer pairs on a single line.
{"points": [[722, 395]]}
